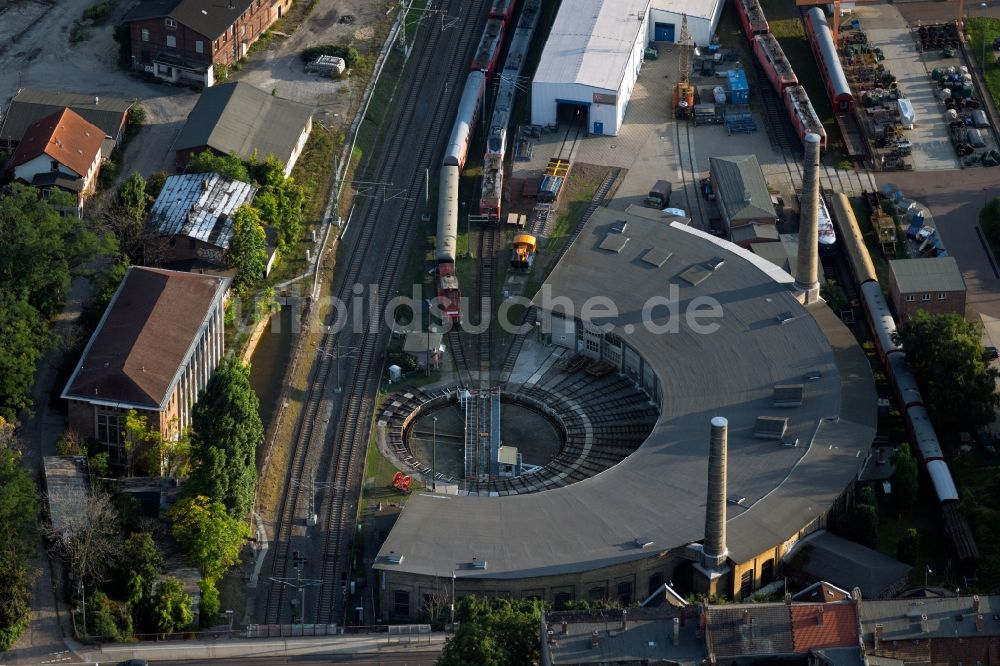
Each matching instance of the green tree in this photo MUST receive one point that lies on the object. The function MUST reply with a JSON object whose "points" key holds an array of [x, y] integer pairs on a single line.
{"points": [[494, 632], [958, 385], [109, 619], [229, 166], [904, 476], [247, 250], [141, 565], [834, 296], [132, 197], [18, 516], [908, 547], [210, 538], [142, 444], [33, 261], [171, 606], [860, 524], [210, 604], [866, 496], [225, 435], [155, 183], [279, 199], [15, 596], [25, 338]]}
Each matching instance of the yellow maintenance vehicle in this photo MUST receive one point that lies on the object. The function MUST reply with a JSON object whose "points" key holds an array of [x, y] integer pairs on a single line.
{"points": [[523, 253]]}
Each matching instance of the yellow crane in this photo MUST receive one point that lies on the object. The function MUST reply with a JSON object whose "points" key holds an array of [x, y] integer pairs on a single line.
{"points": [[683, 100]]}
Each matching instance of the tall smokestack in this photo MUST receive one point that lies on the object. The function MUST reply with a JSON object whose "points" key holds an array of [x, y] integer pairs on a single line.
{"points": [[807, 279], [713, 555]]}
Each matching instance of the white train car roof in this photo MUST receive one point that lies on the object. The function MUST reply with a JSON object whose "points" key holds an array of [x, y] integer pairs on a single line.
{"points": [[468, 107], [827, 236], [923, 433], [447, 220], [904, 380], [944, 485], [831, 61], [882, 320]]}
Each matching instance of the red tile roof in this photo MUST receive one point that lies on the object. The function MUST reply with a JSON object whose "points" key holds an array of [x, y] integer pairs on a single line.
{"points": [[839, 627], [65, 137]]}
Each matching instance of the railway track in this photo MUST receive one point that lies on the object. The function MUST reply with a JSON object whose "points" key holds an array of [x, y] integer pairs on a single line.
{"points": [[689, 173], [376, 253], [530, 315], [489, 240]]}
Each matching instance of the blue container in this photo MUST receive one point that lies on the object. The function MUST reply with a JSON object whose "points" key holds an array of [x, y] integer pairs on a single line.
{"points": [[739, 91]]}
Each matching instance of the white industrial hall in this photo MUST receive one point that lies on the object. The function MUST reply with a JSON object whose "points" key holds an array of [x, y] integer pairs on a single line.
{"points": [[665, 17], [590, 63]]}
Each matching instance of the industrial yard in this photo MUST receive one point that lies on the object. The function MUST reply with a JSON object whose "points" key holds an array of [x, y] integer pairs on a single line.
{"points": [[605, 312]]}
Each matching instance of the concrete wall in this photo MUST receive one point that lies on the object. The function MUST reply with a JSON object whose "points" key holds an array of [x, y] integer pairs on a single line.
{"points": [[701, 29]]}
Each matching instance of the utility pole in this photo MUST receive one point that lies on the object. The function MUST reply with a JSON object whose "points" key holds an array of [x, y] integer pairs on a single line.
{"points": [[434, 453], [299, 583]]}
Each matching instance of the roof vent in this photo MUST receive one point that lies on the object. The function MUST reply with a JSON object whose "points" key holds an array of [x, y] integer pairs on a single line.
{"points": [[738, 500], [747, 198], [715, 263], [813, 375], [394, 558], [614, 242], [656, 257], [770, 427], [640, 542], [788, 395], [478, 563], [784, 317], [619, 227], [97, 100]]}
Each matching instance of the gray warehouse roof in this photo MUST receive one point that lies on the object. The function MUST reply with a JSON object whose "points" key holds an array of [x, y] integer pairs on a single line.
{"points": [[764, 338], [239, 118], [742, 188], [591, 41], [30, 105], [200, 205], [927, 275], [848, 565], [946, 617]]}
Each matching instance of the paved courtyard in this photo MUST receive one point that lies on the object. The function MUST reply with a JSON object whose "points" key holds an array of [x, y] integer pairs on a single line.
{"points": [[652, 146]]}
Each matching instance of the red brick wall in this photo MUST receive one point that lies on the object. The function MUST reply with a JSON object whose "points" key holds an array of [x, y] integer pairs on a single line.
{"points": [[224, 50]]}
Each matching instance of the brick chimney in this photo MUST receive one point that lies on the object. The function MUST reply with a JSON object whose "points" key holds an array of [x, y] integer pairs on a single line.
{"points": [[980, 622], [878, 635], [746, 616], [819, 615], [788, 598], [677, 631], [565, 627], [595, 639], [624, 619], [975, 603]]}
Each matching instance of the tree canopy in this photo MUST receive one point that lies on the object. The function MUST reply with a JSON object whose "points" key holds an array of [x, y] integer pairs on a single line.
{"points": [[904, 476], [18, 515], [171, 606], [210, 538], [226, 431], [945, 352], [494, 632], [230, 166], [247, 250], [38, 250]]}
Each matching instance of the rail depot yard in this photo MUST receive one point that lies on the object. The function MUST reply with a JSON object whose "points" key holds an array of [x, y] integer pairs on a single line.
{"points": [[500, 331]]}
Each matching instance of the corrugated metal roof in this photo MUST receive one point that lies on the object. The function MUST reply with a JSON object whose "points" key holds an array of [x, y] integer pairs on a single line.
{"points": [[848, 565], [927, 275], [200, 205], [742, 187], [239, 118], [591, 41]]}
